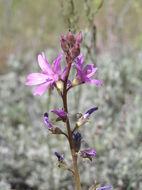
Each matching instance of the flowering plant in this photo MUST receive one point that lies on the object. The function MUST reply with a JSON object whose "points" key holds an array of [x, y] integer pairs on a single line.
{"points": [[54, 78]]}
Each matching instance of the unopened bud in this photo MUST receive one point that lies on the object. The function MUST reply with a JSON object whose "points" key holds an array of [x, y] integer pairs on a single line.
{"points": [[79, 38], [77, 141], [74, 52], [64, 44], [70, 38]]}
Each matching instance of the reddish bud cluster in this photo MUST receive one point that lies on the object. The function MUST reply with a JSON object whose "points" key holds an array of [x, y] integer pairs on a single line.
{"points": [[70, 44]]}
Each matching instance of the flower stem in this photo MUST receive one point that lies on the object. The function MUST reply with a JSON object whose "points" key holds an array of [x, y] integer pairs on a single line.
{"points": [[70, 139]]}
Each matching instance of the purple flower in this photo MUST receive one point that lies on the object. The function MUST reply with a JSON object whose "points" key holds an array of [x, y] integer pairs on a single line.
{"points": [[86, 116], [47, 122], [84, 75], [77, 141], [48, 77], [90, 153], [60, 112], [60, 158], [103, 188]]}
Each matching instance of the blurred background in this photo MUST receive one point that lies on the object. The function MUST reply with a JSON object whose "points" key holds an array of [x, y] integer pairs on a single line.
{"points": [[112, 32]]}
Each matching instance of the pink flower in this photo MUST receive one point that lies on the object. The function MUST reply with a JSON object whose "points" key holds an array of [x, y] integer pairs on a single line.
{"points": [[84, 74], [49, 76]]}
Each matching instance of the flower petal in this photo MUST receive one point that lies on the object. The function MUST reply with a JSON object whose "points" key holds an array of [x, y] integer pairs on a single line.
{"points": [[36, 78], [95, 81], [90, 70], [47, 122], [90, 111], [57, 64], [79, 62], [41, 89], [87, 153], [63, 75], [60, 158], [59, 112], [90, 152], [44, 65], [69, 83]]}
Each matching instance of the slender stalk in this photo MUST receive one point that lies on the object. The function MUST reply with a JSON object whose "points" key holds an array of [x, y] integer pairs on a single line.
{"points": [[70, 139], [74, 157]]}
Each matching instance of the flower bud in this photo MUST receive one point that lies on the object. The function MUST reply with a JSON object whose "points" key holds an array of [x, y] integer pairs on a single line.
{"points": [[77, 141], [79, 38], [75, 51], [64, 44], [53, 129], [70, 38]]}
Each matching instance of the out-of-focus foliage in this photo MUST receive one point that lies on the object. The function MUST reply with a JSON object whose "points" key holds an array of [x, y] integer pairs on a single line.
{"points": [[27, 160]]}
